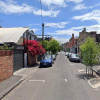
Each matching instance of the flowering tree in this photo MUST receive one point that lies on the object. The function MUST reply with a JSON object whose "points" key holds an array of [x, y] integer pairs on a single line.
{"points": [[34, 47]]}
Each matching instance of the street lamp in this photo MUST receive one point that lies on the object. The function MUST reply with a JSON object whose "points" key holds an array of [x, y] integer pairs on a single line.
{"points": [[42, 34]]}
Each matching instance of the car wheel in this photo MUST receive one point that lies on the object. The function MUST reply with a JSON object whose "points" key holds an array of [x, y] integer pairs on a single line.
{"points": [[51, 65]]}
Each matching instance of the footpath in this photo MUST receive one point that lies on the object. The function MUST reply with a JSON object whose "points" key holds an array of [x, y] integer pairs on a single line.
{"points": [[9, 84], [96, 69]]}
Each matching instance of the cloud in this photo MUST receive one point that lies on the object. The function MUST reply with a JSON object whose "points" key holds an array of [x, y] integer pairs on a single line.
{"points": [[79, 7], [11, 7], [96, 5], [65, 32], [93, 16], [57, 3], [61, 40], [34, 29], [75, 1], [76, 30], [57, 25], [82, 6], [47, 13]]}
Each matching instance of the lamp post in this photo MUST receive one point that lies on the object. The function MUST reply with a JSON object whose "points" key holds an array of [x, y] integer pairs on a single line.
{"points": [[43, 34]]}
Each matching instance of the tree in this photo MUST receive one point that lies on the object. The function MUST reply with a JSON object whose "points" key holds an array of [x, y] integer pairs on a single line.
{"points": [[34, 47], [53, 46], [89, 52], [45, 44]]}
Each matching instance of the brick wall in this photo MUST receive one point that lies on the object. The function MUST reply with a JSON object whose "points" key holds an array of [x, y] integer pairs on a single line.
{"points": [[6, 64], [32, 59]]}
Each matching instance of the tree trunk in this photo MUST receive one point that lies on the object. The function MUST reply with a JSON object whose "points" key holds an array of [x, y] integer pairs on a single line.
{"points": [[92, 70], [86, 70]]}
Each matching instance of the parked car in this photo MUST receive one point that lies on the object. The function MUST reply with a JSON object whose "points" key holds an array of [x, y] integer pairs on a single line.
{"points": [[74, 58], [66, 53], [69, 54], [56, 54], [47, 60], [54, 57]]}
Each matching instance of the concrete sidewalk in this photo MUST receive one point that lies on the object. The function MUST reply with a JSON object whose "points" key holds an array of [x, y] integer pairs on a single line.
{"points": [[96, 68], [7, 85]]}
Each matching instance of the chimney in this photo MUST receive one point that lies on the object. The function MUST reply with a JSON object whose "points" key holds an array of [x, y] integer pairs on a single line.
{"points": [[72, 39], [84, 29], [72, 35]]}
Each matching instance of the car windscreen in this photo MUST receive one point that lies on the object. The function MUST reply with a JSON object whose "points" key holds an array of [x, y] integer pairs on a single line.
{"points": [[75, 55], [53, 56], [47, 57]]}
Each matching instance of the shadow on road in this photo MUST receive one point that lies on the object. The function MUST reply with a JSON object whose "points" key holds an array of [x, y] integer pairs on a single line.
{"points": [[44, 66], [85, 76]]}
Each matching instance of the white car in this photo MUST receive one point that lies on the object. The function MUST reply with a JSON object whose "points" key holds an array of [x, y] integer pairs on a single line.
{"points": [[54, 57], [66, 53]]}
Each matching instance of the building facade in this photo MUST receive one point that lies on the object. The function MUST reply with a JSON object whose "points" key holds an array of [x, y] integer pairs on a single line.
{"points": [[84, 34], [72, 44]]}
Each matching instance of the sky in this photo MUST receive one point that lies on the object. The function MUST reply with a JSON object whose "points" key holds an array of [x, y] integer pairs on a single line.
{"points": [[61, 18]]}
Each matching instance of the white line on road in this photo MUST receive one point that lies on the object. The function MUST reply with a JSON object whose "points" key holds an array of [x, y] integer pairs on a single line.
{"points": [[81, 70], [95, 86], [36, 81], [66, 80], [96, 89]]}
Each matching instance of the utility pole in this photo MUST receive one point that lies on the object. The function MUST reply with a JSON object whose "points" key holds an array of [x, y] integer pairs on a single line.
{"points": [[42, 34]]}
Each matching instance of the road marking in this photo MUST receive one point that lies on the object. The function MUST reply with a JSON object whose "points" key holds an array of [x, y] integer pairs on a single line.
{"points": [[81, 70], [36, 81], [95, 86], [66, 80], [96, 89], [89, 82]]}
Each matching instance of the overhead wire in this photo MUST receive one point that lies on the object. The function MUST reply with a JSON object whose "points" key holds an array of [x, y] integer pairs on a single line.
{"points": [[41, 10]]}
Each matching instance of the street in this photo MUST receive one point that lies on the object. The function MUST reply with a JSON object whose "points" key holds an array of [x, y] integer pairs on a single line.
{"points": [[62, 81]]}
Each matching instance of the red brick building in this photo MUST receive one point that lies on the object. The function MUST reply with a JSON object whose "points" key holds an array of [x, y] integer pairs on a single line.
{"points": [[84, 34], [67, 46], [72, 44]]}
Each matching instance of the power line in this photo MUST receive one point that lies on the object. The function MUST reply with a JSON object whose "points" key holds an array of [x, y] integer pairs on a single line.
{"points": [[41, 11]]}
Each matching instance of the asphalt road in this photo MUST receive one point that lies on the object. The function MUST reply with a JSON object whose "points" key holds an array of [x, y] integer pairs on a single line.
{"points": [[62, 81]]}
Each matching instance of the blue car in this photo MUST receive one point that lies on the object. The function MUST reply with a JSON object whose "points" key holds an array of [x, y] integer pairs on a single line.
{"points": [[47, 61]]}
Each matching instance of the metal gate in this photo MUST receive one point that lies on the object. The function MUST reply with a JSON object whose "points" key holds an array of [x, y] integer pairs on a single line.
{"points": [[18, 60]]}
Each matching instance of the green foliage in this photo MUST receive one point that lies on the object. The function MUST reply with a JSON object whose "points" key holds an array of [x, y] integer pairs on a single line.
{"points": [[45, 44], [6, 47], [53, 46], [89, 52]]}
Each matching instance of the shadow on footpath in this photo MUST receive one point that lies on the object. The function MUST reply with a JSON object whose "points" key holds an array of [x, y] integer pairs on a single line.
{"points": [[98, 72], [34, 65]]}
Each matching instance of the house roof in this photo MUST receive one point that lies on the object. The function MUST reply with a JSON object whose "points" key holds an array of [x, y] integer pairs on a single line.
{"points": [[11, 34]]}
